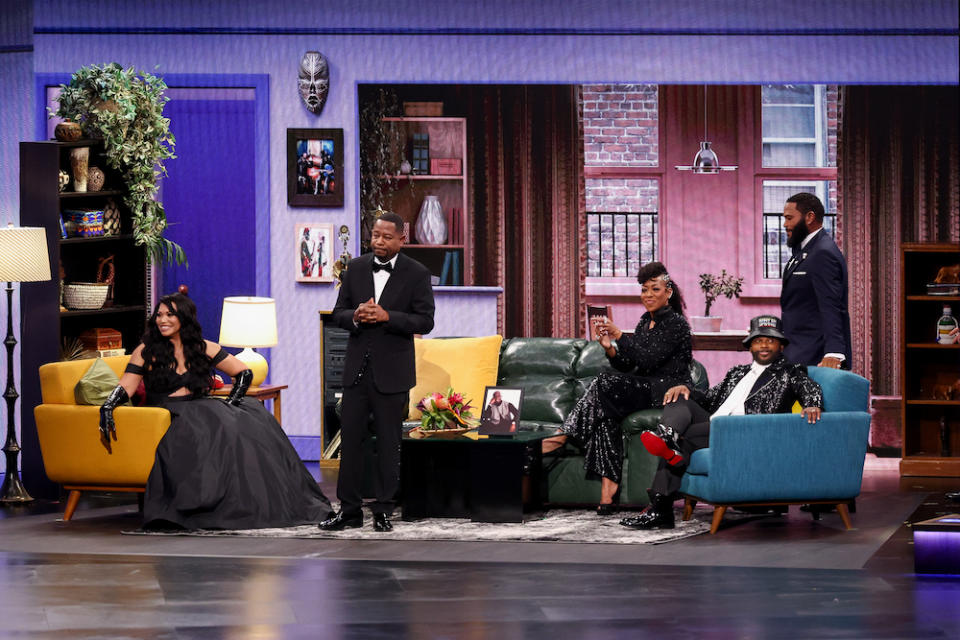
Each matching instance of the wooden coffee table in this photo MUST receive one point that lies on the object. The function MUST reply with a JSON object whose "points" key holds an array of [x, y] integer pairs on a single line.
{"points": [[486, 480]]}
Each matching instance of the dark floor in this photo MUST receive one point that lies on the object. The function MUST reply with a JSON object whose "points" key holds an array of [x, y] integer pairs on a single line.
{"points": [[766, 577]]}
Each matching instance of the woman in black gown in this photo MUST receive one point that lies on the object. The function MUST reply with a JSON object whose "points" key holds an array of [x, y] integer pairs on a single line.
{"points": [[654, 358], [223, 464]]}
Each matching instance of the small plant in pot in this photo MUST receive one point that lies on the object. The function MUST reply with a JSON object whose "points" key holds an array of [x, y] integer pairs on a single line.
{"points": [[714, 286], [124, 108]]}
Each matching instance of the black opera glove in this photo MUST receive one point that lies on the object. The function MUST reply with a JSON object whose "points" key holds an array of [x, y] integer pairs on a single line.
{"points": [[107, 426], [241, 382]]}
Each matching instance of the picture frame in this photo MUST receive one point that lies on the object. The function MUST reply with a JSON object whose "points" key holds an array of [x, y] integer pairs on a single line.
{"points": [[314, 251], [315, 168], [507, 421]]}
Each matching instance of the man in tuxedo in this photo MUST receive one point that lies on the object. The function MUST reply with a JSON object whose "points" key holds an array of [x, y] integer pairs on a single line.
{"points": [[813, 295], [385, 298], [769, 384]]}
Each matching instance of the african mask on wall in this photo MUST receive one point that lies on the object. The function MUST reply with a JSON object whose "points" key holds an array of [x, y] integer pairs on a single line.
{"points": [[313, 80]]}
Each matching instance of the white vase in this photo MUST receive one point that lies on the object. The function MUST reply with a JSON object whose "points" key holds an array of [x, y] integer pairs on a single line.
{"points": [[431, 227]]}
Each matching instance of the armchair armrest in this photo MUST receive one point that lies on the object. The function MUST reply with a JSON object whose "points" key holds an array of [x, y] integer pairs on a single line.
{"points": [[781, 456], [73, 454]]}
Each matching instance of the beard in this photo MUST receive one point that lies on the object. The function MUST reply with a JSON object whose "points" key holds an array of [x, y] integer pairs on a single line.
{"points": [[800, 231]]}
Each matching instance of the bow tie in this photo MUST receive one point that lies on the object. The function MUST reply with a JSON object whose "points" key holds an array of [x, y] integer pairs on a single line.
{"points": [[384, 266]]}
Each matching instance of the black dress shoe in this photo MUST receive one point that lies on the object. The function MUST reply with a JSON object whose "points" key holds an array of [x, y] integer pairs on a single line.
{"points": [[659, 515], [382, 523], [661, 441], [343, 521]]}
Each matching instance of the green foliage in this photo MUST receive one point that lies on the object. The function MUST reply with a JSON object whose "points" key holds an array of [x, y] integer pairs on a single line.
{"points": [[379, 164], [725, 284], [124, 107]]}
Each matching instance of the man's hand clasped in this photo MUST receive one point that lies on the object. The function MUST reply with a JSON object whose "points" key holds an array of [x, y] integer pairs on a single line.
{"points": [[370, 312]]}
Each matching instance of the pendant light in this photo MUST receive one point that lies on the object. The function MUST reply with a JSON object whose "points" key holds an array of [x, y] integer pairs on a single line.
{"points": [[706, 160]]}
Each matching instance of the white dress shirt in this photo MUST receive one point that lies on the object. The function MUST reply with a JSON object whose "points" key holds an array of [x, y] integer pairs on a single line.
{"points": [[380, 277], [733, 405]]}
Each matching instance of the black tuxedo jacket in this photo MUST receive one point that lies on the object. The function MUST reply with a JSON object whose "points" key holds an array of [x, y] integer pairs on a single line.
{"points": [[778, 387], [813, 303], [387, 346]]}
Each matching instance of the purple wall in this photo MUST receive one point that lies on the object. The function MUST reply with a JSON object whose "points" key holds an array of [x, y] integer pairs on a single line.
{"points": [[493, 41]]}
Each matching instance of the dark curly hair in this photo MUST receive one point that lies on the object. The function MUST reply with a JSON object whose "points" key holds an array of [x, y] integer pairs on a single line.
{"points": [[655, 269], [159, 362]]}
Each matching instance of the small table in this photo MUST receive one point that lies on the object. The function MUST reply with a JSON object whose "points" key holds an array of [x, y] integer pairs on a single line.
{"points": [[262, 393], [727, 340], [486, 480]]}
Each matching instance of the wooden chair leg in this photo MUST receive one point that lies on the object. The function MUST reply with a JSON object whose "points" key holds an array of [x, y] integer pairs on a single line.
{"points": [[688, 505], [717, 517], [72, 501], [844, 512]]}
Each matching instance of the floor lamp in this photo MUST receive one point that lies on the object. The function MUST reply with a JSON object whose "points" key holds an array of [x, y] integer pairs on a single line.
{"points": [[23, 258]]}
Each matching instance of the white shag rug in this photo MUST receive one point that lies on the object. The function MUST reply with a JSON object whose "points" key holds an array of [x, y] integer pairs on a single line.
{"points": [[555, 525]]}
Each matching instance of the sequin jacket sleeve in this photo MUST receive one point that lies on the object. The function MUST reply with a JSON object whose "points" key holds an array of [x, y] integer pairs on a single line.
{"points": [[663, 351]]}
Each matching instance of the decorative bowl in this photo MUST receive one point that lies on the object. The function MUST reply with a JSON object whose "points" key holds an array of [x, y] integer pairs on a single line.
{"points": [[85, 295], [441, 434]]}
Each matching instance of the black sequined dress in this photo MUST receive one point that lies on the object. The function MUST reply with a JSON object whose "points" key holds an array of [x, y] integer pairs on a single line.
{"points": [[651, 361], [221, 466]]}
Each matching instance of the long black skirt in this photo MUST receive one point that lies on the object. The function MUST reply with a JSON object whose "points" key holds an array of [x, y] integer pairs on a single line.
{"points": [[226, 467]]}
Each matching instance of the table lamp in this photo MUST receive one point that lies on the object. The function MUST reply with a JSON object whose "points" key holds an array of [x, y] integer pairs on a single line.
{"points": [[23, 258], [249, 322]]}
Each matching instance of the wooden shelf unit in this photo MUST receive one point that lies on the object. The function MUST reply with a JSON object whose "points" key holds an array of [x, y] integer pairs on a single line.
{"points": [[46, 323], [931, 426], [447, 139]]}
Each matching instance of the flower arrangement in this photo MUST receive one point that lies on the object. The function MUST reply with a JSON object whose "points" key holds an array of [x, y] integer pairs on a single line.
{"points": [[726, 284], [445, 411]]}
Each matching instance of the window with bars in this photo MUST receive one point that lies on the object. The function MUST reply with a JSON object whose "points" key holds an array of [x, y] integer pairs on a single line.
{"points": [[618, 243]]}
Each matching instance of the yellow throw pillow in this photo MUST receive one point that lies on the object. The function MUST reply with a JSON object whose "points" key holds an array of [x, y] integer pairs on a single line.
{"points": [[96, 384], [468, 365]]}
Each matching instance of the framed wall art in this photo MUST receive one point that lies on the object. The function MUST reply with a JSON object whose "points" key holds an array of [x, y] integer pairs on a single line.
{"points": [[315, 167], [314, 251]]}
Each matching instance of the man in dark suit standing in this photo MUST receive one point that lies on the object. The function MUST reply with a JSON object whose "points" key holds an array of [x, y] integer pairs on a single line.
{"points": [[813, 295], [385, 298]]}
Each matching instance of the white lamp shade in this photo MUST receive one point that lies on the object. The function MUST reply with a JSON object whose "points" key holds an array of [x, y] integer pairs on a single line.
{"points": [[248, 321], [23, 254]]}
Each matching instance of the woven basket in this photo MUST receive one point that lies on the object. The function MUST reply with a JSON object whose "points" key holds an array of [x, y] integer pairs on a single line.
{"points": [[85, 295]]}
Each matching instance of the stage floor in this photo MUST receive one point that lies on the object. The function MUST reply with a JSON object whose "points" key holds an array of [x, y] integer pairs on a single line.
{"points": [[784, 577]]}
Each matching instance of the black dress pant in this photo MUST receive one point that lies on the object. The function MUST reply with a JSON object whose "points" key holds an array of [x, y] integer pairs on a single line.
{"points": [[692, 424], [360, 401]]}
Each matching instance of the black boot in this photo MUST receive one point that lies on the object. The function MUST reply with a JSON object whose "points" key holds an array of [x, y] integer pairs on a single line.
{"points": [[661, 441], [659, 515]]}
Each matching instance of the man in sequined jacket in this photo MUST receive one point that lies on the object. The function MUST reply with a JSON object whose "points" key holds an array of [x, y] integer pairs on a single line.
{"points": [[769, 384]]}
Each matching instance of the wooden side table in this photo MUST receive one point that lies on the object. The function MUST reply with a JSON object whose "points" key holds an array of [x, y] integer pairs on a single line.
{"points": [[262, 393]]}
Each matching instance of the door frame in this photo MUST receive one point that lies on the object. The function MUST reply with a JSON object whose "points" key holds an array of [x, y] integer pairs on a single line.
{"points": [[260, 83]]}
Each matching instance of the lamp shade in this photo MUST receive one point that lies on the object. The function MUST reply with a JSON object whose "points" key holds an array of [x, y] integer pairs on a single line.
{"points": [[248, 321], [23, 254]]}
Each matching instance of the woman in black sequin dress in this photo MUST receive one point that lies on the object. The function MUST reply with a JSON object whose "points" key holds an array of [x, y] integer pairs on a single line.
{"points": [[223, 463], [654, 358]]}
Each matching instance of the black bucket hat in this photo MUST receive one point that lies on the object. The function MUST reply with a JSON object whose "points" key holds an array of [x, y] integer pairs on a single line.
{"points": [[769, 326]]}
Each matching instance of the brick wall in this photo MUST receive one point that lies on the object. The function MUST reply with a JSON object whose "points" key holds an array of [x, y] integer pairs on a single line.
{"points": [[620, 125]]}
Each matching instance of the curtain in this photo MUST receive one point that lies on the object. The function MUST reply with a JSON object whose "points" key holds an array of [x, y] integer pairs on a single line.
{"points": [[526, 159], [898, 177]]}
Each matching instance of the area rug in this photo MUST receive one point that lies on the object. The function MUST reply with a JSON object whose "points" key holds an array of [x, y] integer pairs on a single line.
{"points": [[556, 525]]}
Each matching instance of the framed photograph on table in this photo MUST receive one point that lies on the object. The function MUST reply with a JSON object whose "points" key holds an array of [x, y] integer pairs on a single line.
{"points": [[501, 410], [315, 167], [314, 251]]}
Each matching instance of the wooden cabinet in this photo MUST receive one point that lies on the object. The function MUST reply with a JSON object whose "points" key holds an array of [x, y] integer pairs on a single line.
{"points": [[446, 140], [46, 323], [931, 412]]}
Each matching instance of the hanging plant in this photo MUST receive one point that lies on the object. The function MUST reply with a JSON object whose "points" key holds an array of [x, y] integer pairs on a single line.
{"points": [[124, 107], [379, 163]]}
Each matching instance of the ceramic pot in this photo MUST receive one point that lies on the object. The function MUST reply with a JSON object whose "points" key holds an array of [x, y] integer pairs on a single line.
{"points": [[705, 324], [67, 131], [95, 179], [79, 159], [405, 167], [431, 227]]}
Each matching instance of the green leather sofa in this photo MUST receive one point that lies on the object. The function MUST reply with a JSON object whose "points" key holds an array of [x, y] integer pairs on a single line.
{"points": [[554, 373]]}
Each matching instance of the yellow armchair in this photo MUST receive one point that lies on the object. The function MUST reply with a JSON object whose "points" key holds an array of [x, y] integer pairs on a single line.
{"points": [[70, 436]]}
